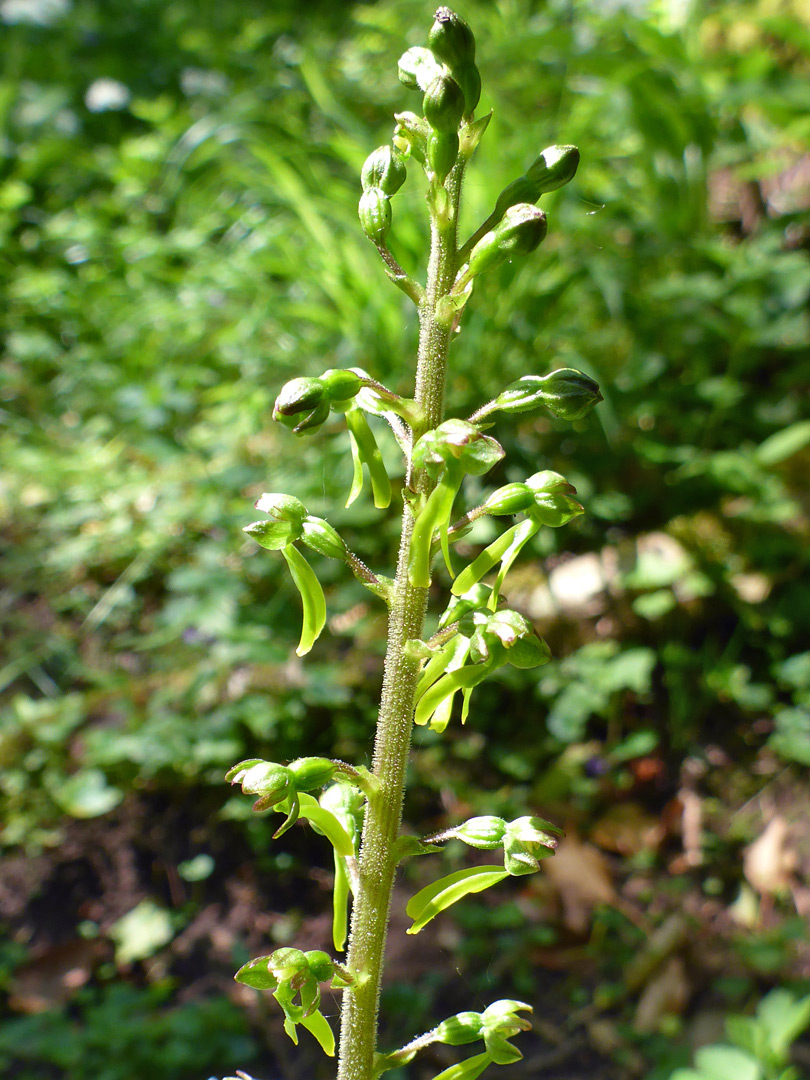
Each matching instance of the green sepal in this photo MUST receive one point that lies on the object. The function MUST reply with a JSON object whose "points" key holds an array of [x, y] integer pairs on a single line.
{"points": [[374, 211], [554, 167], [384, 168], [256, 973], [273, 535], [443, 104], [445, 892], [312, 598], [366, 452], [469, 1069]]}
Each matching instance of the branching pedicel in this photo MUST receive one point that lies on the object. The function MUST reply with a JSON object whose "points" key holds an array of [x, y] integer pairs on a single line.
{"points": [[359, 810]]}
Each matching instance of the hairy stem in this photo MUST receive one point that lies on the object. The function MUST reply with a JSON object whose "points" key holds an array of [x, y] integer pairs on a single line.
{"points": [[378, 860]]}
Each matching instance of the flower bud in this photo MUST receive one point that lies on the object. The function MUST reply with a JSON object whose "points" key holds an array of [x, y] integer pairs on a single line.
{"points": [[485, 832], [341, 384], [442, 152], [282, 507], [383, 169], [443, 104], [451, 39], [273, 535], [522, 229], [417, 68], [569, 394], [555, 166], [469, 79], [311, 773], [509, 499], [375, 214], [321, 537], [459, 1029]]}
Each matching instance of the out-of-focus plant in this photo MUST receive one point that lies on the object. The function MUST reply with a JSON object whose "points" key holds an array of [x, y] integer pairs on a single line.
{"points": [[360, 810], [758, 1047]]}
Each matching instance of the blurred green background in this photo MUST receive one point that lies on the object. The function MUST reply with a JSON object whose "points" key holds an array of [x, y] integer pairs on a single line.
{"points": [[178, 237]]}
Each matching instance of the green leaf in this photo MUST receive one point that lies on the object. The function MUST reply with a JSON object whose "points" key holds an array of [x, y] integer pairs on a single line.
{"points": [[141, 932], [317, 1025], [445, 892], [784, 444], [726, 1063], [87, 794], [784, 1019], [466, 1070], [326, 823], [312, 598]]}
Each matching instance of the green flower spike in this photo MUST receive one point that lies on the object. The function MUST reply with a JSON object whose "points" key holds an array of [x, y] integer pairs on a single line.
{"points": [[448, 453], [553, 506]]}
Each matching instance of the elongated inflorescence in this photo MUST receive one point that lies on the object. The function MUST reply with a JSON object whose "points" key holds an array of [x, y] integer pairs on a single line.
{"points": [[428, 680]]}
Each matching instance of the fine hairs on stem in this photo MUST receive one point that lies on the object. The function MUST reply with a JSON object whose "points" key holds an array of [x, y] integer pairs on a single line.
{"points": [[359, 810]]}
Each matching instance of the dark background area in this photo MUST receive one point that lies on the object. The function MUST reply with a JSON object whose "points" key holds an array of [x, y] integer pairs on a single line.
{"points": [[178, 231]]}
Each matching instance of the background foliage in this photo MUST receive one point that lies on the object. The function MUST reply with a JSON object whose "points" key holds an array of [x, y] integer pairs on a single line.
{"points": [[178, 187]]}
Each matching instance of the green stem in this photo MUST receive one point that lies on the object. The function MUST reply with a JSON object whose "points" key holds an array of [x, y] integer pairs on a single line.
{"points": [[378, 861]]}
